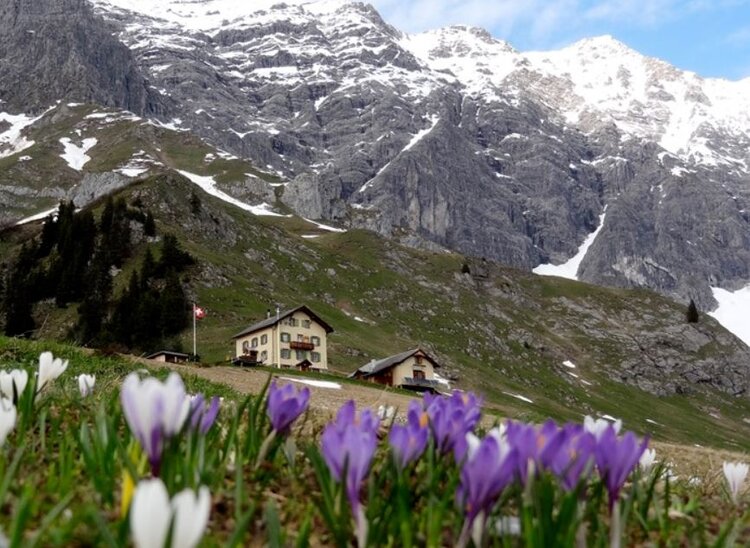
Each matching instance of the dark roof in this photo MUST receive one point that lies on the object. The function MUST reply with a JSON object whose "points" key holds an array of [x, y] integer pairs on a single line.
{"points": [[167, 353], [375, 367], [273, 320]]}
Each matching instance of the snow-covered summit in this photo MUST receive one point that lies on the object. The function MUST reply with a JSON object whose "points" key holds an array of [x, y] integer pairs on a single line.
{"points": [[208, 15]]}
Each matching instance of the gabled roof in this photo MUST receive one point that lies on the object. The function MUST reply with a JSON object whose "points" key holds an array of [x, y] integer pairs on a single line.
{"points": [[273, 320], [375, 367]]}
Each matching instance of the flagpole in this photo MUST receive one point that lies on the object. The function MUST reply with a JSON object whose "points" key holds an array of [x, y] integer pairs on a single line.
{"points": [[195, 348]]}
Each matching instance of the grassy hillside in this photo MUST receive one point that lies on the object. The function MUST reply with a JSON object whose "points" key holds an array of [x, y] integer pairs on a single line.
{"points": [[501, 332]]}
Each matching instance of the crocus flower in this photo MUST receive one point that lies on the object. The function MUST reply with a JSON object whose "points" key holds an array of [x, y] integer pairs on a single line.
{"points": [[13, 384], [408, 441], [191, 512], [616, 457], [285, 405], [50, 368], [647, 460], [152, 513], [485, 473], [155, 411], [573, 460], [8, 415], [386, 412], [202, 413], [537, 446], [349, 443], [735, 474], [86, 384], [598, 426], [452, 417]]}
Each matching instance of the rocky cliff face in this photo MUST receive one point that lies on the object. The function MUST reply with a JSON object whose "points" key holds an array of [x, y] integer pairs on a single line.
{"points": [[57, 50], [450, 138]]}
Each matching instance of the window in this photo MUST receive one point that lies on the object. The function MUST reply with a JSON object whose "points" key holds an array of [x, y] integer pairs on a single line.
{"points": [[286, 337], [291, 322], [263, 356], [419, 360], [245, 347], [263, 339], [286, 353], [306, 324], [418, 374], [300, 338], [300, 354], [315, 340], [255, 342], [315, 357]]}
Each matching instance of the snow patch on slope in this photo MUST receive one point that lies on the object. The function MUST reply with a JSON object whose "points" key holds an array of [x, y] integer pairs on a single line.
{"points": [[11, 140], [208, 184], [569, 269], [733, 311], [38, 216], [74, 155]]}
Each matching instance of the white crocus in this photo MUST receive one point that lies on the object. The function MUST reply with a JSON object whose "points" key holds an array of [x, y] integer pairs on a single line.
{"points": [[8, 416], [598, 426], [151, 514], [50, 368], [735, 474], [190, 517], [86, 384], [17, 377], [648, 458]]}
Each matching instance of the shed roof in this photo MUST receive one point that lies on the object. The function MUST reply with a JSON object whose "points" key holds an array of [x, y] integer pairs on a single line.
{"points": [[377, 366]]}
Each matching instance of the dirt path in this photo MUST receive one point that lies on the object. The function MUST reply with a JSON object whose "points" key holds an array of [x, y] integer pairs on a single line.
{"points": [[251, 381]]}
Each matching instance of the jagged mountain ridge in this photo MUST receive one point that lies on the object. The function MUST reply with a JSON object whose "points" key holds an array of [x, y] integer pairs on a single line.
{"points": [[452, 138]]}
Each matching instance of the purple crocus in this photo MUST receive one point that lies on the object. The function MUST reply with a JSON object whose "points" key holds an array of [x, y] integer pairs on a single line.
{"points": [[155, 411], [285, 405], [573, 459], [202, 413], [488, 469], [616, 457], [349, 443], [452, 417], [408, 441]]}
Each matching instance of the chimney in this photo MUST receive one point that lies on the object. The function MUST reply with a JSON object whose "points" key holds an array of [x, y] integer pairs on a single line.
{"points": [[268, 313], [278, 312]]}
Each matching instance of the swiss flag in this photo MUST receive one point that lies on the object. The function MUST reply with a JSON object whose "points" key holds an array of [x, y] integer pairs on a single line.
{"points": [[199, 312]]}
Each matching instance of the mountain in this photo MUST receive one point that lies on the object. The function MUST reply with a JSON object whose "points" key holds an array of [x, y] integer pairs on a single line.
{"points": [[449, 139], [534, 346]]}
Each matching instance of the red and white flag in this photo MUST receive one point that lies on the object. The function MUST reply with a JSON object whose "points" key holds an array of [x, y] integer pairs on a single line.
{"points": [[199, 312]]}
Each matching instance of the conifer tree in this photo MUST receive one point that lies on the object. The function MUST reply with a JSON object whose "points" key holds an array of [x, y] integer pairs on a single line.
{"points": [[692, 315]]}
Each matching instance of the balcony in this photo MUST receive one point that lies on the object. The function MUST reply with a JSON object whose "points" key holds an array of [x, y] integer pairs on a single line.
{"points": [[299, 345], [422, 385]]}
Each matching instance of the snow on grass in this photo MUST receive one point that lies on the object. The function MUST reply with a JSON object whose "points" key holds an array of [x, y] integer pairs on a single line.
{"points": [[325, 227], [569, 269], [37, 217], [310, 236], [570, 364], [132, 171], [518, 396], [733, 311], [75, 155], [208, 185], [11, 140], [317, 384]]}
